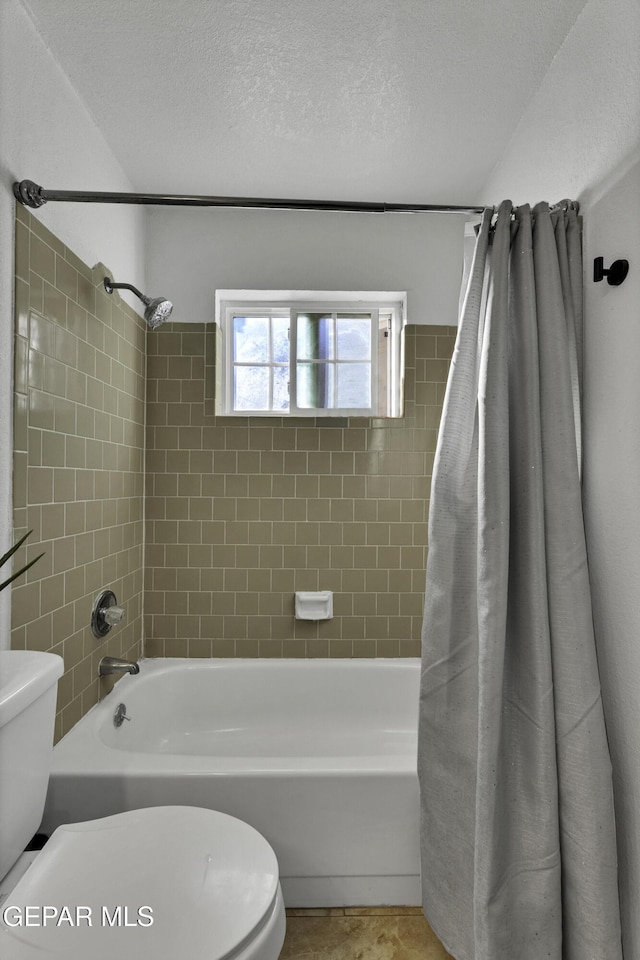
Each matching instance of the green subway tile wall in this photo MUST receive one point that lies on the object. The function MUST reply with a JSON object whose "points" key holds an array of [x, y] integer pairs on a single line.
{"points": [[78, 462], [242, 512]]}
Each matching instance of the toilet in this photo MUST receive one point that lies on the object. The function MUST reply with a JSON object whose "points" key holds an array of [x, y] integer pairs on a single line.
{"points": [[159, 883]]}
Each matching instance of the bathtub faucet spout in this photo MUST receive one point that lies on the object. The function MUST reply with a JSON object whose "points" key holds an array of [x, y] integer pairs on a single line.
{"points": [[111, 665]]}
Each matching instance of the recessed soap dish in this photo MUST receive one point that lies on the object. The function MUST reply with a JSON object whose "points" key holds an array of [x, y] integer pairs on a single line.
{"points": [[314, 605]]}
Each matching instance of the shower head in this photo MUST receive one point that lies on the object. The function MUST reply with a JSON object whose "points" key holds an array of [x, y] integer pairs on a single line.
{"points": [[157, 311]]}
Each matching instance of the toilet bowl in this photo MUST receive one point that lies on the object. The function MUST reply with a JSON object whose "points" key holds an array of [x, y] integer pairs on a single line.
{"points": [[160, 882]]}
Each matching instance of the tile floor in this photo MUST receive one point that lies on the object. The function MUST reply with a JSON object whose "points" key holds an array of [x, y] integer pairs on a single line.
{"points": [[360, 933]]}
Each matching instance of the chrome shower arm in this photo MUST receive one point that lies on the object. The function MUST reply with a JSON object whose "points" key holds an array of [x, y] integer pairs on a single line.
{"points": [[110, 286]]}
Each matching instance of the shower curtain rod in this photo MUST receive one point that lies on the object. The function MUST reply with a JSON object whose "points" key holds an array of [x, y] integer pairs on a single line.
{"points": [[32, 195]]}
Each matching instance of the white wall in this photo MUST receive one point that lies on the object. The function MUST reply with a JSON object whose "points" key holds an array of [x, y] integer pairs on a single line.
{"points": [[586, 115], [612, 507], [47, 135], [191, 253]]}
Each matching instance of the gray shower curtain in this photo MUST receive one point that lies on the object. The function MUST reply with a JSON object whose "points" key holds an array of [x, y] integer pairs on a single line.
{"points": [[517, 831]]}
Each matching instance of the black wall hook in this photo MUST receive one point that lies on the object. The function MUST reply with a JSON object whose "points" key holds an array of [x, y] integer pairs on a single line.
{"points": [[616, 274]]}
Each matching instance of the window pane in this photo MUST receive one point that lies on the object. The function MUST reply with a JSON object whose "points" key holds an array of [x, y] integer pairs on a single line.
{"points": [[315, 384], [280, 388], [280, 339], [354, 385], [251, 388], [251, 339], [315, 337], [354, 337]]}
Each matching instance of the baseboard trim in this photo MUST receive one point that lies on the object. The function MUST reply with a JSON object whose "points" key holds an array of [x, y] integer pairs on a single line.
{"points": [[401, 891]]}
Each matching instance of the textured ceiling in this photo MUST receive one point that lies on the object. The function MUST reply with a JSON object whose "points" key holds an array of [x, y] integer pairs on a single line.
{"points": [[397, 100]]}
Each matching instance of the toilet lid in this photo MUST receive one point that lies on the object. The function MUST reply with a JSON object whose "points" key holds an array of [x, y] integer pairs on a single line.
{"points": [[207, 880]]}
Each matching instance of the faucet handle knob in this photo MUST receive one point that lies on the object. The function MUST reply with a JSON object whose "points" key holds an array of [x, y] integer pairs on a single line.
{"points": [[113, 615], [105, 613]]}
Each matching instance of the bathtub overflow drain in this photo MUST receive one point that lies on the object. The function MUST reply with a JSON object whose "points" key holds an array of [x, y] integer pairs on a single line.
{"points": [[120, 715]]}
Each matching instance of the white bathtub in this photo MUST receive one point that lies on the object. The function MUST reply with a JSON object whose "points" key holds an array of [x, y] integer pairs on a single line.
{"points": [[318, 755]]}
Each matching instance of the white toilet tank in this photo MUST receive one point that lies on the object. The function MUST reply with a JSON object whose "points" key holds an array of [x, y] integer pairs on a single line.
{"points": [[28, 687]]}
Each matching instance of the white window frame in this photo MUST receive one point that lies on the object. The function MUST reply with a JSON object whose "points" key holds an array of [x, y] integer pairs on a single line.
{"points": [[389, 304]]}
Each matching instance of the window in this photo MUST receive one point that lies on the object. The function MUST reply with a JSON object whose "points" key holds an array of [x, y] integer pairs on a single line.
{"points": [[333, 355]]}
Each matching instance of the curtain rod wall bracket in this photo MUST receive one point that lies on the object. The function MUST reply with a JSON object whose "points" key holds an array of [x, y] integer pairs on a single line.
{"points": [[32, 195], [616, 274], [29, 194]]}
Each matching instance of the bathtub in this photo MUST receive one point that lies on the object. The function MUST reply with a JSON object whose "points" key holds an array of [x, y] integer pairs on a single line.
{"points": [[318, 755]]}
